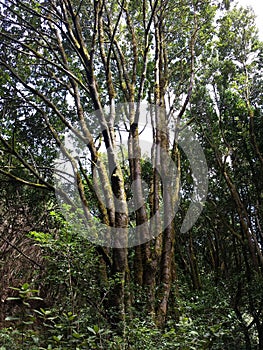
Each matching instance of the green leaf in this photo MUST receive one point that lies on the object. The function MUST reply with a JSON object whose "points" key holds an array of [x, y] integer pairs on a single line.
{"points": [[77, 335], [26, 304], [14, 288], [25, 286], [91, 330], [57, 338], [28, 322], [11, 318], [96, 328], [35, 298]]}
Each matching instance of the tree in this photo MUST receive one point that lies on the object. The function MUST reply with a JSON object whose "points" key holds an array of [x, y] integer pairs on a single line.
{"points": [[227, 115], [77, 58]]}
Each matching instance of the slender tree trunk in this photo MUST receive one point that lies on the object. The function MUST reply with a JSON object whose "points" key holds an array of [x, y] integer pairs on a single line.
{"points": [[117, 295], [194, 266]]}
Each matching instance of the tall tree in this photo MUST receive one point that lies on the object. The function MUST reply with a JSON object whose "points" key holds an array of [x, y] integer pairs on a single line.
{"points": [[63, 60], [227, 107]]}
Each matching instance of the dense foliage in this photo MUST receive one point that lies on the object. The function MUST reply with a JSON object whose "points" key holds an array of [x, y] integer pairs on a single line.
{"points": [[200, 63]]}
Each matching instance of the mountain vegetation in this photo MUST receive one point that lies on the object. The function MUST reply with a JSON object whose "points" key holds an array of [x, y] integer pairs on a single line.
{"points": [[131, 143]]}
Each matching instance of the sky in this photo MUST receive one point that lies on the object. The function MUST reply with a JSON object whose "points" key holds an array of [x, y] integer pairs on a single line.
{"points": [[257, 5]]}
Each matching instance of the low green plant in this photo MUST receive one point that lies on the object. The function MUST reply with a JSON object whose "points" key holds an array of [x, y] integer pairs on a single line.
{"points": [[24, 317]]}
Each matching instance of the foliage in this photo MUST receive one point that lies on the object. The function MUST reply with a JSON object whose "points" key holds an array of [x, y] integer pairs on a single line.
{"points": [[59, 61]]}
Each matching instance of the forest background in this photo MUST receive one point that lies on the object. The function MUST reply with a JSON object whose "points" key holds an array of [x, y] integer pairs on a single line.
{"points": [[127, 249]]}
